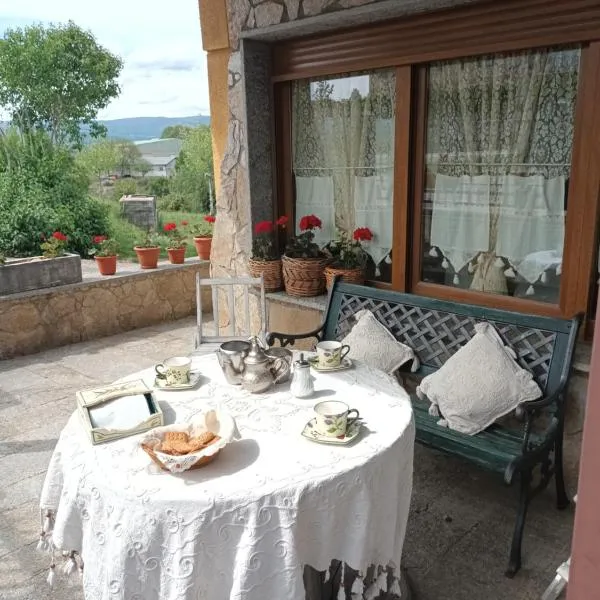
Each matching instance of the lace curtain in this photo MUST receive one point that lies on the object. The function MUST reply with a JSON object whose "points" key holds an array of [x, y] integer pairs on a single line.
{"points": [[499, 137], [343, 154]]}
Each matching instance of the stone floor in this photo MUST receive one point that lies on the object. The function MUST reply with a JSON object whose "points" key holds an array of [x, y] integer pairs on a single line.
{"points": [[460, 523]]}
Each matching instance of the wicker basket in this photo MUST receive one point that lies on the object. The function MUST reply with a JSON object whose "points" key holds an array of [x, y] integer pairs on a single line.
{"points": [[270, 270], [348, 275], [199, 463], [304, 277]]}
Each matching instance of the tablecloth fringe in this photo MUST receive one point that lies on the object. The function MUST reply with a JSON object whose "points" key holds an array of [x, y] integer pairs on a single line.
{"points": [[72, 560]]}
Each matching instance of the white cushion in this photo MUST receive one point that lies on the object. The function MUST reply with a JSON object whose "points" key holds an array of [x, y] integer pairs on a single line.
{"points": [[480, 383], [374, 344]]}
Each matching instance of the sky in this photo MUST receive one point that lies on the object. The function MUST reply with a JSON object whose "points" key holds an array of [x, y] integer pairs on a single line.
{"points": [[164, 67]]}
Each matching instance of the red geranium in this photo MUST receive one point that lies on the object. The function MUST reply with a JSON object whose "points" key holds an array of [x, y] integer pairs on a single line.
{"points": [[363, 234], [184, 223], [61, 237], [263, 227], [98, 239], [282, 221], [210, 219], [170, 227], [310, 222]]}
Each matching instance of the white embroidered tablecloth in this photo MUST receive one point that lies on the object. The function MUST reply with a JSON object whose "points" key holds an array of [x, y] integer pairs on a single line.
{"points": [[244, 526]]}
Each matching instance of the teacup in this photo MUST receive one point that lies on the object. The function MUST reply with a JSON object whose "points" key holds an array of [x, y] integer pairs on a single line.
{"points": [[175, 370], [330, 354], [332, 418]]}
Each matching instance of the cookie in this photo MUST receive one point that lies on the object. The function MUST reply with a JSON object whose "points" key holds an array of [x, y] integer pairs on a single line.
{"points": [[197, 443], [176, 436]]}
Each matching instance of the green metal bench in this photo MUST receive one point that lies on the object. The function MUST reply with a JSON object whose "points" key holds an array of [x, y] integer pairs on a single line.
{"points": [[436, 329]]}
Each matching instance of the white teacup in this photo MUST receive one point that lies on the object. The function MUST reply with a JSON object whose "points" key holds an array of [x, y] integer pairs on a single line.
{"points": [[175, 370], [330, 354], [332, 418]]}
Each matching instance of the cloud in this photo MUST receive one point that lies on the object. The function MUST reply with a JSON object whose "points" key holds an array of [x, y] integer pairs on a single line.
{"points": [[160, 47]]}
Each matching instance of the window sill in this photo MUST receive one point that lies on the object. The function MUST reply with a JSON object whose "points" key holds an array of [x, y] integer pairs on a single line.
{"points": [[315, 303]]}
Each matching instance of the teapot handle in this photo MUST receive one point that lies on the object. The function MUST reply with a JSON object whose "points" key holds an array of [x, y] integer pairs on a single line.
{"points": [[280, 369]]}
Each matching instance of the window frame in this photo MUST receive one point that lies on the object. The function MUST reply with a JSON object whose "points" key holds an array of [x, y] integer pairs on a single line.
{"points": [[404, 45]]}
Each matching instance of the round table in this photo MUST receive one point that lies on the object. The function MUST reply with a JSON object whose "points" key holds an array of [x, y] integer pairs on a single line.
{"points": [[246, 525]]}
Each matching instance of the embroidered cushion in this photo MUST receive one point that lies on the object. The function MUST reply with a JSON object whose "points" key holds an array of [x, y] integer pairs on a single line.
{"points": [[374, 344], [480, 383]]}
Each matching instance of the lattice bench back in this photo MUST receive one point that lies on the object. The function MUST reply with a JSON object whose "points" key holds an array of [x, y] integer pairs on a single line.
{"points": [[437, 329]]}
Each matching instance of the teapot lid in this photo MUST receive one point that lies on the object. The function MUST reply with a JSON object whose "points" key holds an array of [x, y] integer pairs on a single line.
{"points": [[256, 354]]}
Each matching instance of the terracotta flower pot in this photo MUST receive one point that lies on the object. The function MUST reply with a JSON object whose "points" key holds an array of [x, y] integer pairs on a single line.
{"points": [[348, 275], [176, 255], [107, 265], [270, 270], [148, 257], [203, 245], [304, 277]]}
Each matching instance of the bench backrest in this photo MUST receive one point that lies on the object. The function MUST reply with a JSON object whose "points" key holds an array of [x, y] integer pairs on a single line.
{"points": [[436, 329]]}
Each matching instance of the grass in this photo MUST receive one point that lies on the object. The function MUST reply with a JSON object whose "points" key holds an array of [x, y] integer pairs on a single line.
{"points": [[126, 234]]}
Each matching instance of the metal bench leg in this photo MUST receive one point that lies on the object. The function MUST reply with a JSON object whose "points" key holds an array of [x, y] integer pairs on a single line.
{"points": [[514, 563], [562, 500]]}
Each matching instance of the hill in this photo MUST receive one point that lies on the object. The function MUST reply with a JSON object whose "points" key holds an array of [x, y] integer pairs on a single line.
{"points": [[146, 128]]}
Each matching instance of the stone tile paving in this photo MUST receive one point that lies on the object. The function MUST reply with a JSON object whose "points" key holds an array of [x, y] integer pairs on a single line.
{"points": [[460, 523]]}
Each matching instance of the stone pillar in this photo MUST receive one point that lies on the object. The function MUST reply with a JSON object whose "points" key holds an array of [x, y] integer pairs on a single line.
{"points": [[215, 40]]}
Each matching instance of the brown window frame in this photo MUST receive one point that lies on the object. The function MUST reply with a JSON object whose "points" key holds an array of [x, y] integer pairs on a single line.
{"points": [[408, 45]]}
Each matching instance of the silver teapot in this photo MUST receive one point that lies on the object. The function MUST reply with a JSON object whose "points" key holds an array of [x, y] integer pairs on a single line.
{"points": [[246, 363]]}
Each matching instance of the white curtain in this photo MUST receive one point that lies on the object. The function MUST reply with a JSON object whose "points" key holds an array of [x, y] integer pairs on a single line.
{"points": [[343, 142], [507, 118], [314, 196]]}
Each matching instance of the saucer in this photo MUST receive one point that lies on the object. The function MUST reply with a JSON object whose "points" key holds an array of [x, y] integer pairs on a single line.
{"points": [[345, 364], [161, 384], [310, 433]]}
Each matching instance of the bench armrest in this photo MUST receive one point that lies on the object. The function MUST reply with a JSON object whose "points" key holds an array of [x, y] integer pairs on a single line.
{"points": [[288, 339], [533, 405]]}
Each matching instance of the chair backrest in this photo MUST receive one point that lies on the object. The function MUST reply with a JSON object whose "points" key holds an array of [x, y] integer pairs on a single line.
{"points": [[225, 289], [436, 329]]}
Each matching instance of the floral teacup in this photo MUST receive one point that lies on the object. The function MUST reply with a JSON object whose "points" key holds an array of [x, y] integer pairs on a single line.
{"points": [[330, 354], [332, 418], [175, 371]]}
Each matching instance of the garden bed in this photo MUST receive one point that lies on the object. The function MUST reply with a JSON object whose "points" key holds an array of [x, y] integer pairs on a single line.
{"points": [[26, 274]]}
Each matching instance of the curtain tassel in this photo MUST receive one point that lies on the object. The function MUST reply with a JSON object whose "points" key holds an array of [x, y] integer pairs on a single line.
{"points": [[558, 269], [510, 272], [442, 423], [499, 262], [358, 587], [381, 581], [341, 592], [455, 279], [395, 588], [388, 260], [326, 576], [471, 268], [445, 263], [70, 566], [544, 277], [371, 592], [433, 252], [530, 291]]}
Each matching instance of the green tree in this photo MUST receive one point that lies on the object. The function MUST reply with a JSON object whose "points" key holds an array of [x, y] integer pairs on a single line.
{"points": [[99, 159], [56, 78], [129, 159], [175, 131], [193, 164]]}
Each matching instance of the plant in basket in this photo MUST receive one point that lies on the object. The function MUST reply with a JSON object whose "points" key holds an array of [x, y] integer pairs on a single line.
{"points": [[348, 256], [105, 254], [265, 259], [304, 261], [202, 233], [176, 242], [148, 250]]}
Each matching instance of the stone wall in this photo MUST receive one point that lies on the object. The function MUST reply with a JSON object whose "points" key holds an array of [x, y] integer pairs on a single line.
{"points": [[42, 319]]}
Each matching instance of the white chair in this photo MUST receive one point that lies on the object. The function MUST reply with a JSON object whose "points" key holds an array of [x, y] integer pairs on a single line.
{"points": [[226, 289]]}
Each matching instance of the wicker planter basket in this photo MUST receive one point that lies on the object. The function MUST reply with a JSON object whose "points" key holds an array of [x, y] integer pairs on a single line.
{"points": [[304, 277], [270, 270], [348, 275]]}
